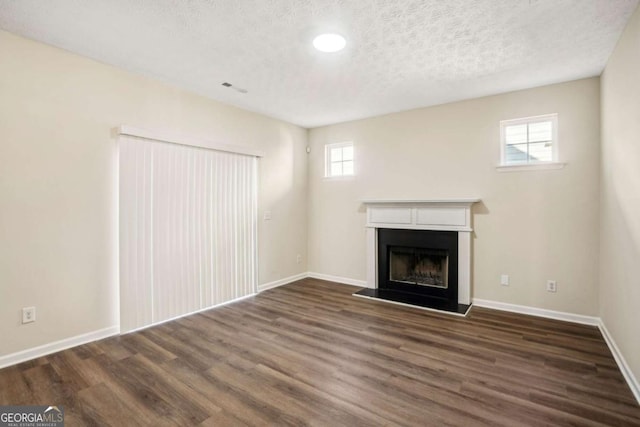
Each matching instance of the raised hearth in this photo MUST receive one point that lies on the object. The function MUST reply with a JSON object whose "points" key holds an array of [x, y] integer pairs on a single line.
{"points": [[419, 253]]}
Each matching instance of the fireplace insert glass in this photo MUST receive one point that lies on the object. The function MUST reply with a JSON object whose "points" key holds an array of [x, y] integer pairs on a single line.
{"points": [[418, 266]]}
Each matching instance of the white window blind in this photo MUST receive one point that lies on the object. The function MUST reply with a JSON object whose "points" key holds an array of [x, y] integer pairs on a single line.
{"points": [[188, 236]]}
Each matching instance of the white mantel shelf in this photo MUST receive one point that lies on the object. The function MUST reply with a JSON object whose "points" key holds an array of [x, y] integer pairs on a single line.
{"points": [[439, 214], [436, 214], [421, 202]]}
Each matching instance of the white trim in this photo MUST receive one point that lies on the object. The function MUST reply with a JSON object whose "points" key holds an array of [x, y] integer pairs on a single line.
{"points": [[53, 347], [531, 167], [46, 349], [344, 280], [540, 312], [627, 373], [43, 350], [190, 313], [281, 282], [464, 268], [339, 178], [436, 214], [312, 275], [462, 202], [187, 140], [372, 257], [414, 306]]}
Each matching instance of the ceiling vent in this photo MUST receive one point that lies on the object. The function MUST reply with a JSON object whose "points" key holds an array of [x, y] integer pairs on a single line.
{"points": [[237, 89]]}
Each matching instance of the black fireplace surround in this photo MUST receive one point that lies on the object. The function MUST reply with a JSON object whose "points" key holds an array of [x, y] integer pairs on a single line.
{"points": [[408, 240], [418, 267]]}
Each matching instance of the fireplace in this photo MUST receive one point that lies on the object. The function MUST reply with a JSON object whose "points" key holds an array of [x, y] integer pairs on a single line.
{"points": [[419, 253], [421, 262]]}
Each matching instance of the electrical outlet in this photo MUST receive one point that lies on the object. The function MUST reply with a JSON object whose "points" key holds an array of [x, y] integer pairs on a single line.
{"points": [[504, 280], [298, 259], [552, 286], [267, 215], [28, 314]]}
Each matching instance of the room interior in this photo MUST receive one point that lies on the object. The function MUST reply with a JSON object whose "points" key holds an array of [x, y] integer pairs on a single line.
{"points": [[426, 130]]}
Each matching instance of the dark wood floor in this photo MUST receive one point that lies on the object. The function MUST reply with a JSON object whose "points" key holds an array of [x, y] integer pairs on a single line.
{"points": [[311, 354]]}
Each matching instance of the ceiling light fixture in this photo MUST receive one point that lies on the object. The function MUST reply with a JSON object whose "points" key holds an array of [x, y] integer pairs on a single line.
{"points": [[329, 42]]}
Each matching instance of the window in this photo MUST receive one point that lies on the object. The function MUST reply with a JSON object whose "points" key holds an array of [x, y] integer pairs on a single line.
{"points": [[339, 159], [529, 141]]}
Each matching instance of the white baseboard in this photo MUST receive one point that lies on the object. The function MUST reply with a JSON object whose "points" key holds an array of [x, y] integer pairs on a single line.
{"points": [[620, 360], [540, 312], [43, 350], [344, 280], [200, 310], [575, 318], [330, 278], [281, 282]]}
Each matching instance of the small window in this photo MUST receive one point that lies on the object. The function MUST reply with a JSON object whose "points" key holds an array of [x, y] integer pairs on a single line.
{"points": [[339, 159], [529, 141]]}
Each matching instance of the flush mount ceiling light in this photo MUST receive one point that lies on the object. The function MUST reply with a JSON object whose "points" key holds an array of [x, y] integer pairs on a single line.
{"points": [[329, 42]]}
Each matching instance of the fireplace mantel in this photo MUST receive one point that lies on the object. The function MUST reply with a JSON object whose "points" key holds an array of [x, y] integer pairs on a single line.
{"points": [[439, 214], [418, 201]]}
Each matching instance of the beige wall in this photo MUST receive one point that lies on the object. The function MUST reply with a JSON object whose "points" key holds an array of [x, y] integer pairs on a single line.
{"points": [[58, 194], [620, 198], [58, 160], [534, 225]]}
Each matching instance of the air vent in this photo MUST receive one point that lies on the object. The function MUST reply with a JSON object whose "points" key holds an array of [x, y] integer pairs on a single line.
{"points": [[237, 89]]}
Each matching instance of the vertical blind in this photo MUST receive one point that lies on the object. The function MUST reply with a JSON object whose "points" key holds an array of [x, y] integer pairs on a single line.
{"points": [[188, 236]]}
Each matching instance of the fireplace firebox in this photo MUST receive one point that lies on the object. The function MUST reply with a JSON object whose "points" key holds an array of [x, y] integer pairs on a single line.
{"points": [[420, 262], [417, 266]]}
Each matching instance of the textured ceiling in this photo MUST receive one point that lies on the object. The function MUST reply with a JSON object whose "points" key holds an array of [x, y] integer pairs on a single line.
{"points": [[401, 54]]}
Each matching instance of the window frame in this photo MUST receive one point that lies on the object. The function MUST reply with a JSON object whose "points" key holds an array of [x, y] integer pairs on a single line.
{"points": [[328, 162], [536, 164]]}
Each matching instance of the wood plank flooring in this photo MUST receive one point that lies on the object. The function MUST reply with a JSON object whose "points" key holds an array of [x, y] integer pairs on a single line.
{"points": [[311, 354]]}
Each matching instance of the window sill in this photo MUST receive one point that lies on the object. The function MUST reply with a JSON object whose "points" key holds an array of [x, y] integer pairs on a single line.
{"points": [[531, 167], [339, 178]]}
